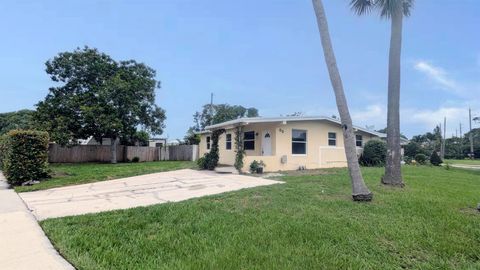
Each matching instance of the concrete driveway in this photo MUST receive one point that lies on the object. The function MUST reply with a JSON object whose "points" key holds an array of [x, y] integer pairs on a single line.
{"points": [[135, 191]]}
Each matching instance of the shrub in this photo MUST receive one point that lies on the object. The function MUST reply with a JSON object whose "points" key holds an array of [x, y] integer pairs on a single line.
{"points": [[201, 163], [3, 149], [26, 156], [407, 159], [421, 159], [435, 160], [135, 159], [412, 149], [374, 153], [211, 161], [208, 162], [256, 165]]}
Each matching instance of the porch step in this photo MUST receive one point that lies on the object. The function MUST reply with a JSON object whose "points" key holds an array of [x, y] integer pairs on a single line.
{"points": [[226, 170]]}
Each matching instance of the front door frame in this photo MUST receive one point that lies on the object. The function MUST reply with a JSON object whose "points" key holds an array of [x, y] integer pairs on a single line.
{"points": [[269, 148]]}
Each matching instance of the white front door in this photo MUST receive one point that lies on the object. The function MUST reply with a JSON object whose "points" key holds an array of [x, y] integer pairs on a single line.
{"points": [[266, 144]]}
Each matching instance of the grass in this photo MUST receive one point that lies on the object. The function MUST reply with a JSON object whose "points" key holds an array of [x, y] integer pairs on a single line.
{"points": [[307, 223], [463, 161], [81, 173]]}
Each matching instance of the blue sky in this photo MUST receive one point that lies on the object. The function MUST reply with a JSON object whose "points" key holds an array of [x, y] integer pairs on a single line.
{"points": [[265, 54]]}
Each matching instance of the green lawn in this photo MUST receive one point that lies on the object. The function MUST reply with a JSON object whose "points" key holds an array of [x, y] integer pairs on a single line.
{"points": [[463, 161], [307, 223], [81, 173]]}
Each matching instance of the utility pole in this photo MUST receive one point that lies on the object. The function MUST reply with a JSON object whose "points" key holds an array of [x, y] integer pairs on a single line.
{"points": [[444, 137], [441, 139], [211, 108], [472, 156], [461, 130]]}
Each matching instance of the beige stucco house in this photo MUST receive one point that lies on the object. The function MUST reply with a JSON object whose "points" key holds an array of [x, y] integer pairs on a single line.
{"points": [[285, 143]]}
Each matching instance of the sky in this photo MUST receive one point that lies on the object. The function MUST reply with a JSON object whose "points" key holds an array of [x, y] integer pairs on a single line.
{"points": [[264, 54]]}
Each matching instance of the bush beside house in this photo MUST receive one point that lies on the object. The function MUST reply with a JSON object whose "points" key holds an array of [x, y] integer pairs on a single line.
{"points": [[24, 155], [374, 154]]}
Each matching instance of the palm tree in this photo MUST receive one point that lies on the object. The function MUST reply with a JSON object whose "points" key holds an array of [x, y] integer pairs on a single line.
{"points": [[394, 10], [360, 191]]}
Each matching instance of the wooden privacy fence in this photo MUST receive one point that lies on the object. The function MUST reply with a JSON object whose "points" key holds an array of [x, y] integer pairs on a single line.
{"points": [[101, 153]]}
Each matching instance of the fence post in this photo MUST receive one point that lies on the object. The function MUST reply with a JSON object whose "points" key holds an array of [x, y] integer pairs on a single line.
{"points": [[194, 152]]}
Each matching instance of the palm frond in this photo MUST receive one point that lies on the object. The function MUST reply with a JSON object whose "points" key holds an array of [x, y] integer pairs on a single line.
{"points": [[407, 7], [389, 7], [361, 7]]}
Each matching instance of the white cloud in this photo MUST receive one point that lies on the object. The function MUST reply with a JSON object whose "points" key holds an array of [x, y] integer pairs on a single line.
{"points": [[373, 115], [414, 120], [438, 75], [372, 112], [431, 118]]}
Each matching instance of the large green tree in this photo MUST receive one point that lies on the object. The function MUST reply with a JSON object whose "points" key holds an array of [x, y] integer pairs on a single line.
{"points": [[214, 114], [16, 120], [360, 191], [394, 10], [100, 97]]}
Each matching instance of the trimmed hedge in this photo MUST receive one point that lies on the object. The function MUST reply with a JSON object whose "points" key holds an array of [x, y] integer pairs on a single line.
{"points": [[421, 159], [374, 154], [25, 156], [3, 149]]}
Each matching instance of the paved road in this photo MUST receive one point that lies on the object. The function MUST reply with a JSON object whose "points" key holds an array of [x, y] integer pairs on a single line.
{"points": [[23, 245], [135, 191], [466, 166]]}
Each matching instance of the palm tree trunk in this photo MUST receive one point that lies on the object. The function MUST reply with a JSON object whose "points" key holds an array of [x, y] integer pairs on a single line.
{"points": [[360, 191], [113, 150], [393, 172]]}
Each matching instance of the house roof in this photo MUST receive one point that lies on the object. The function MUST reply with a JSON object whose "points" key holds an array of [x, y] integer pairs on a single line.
{"points": [[251, 120]]}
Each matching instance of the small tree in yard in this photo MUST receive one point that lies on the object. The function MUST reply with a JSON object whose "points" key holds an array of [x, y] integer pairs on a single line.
{"points": [[435, 159], [99, 97]]}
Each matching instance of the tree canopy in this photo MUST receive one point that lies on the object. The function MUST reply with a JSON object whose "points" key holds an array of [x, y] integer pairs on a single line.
{"points": [[455, 147], [214, 114], [16, 120], [218, 113], [98, 96]]}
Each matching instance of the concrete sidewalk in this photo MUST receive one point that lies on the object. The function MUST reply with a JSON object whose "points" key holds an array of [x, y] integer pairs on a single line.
{"points": [[135, 191], [23, 244]]}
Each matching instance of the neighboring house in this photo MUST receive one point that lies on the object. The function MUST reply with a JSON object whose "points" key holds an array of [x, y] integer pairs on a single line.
{"points": [[403, 142], [157, 142], [285, 143], [92, 141]]}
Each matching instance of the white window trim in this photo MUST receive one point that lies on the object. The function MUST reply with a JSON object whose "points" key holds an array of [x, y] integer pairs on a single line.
{"points": [[328, 139], [227, 141], [306, 143], [208, 142], [250, 140], [358, 140]]}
